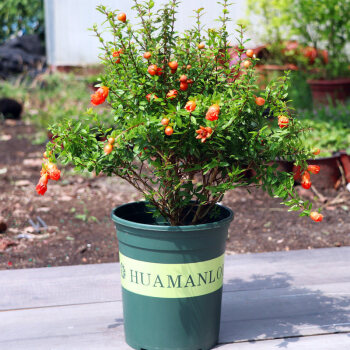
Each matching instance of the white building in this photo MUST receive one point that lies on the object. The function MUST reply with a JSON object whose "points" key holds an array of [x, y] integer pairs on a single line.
{"points": [[69, 43]]}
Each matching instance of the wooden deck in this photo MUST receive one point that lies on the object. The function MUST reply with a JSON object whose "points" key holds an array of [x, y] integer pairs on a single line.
{"points": [[288, 300]]}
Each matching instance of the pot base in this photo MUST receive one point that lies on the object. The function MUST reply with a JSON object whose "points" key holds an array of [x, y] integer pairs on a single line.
{"points": [[172, 278]]}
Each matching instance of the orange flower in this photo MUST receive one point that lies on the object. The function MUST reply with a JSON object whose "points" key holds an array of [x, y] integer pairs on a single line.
{"points": [[173, 65], [97, 99], [100, 95], [172, 94], [316, 216], [41, 187], [51, 170], [117, 53], [169, 130], [259, 101], [103, 91], [121, 17], [108, 148], [204, 133], [283, 121], [159, 71], [314, 169], [190, 106], [213, 112], [151, 96], [183, 86], [305, 180], [152, 69]]}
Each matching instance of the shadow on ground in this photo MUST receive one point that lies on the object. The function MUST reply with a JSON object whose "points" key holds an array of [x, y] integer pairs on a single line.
{"points": [[271, 307]]}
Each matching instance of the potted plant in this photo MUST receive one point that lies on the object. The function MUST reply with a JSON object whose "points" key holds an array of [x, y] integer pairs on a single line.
{"points": [[326, 27], [186, 128], [331, 132]]}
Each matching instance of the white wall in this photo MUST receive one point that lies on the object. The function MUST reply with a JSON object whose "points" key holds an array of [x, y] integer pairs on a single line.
{"points": [[68, 42]]}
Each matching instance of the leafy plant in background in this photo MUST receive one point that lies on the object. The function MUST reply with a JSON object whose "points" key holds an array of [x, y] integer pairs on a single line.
{"points": [[47, 99], [272, 19], [330, 128], [21, 16], [321, 25], [324, 25], [186, 126]]}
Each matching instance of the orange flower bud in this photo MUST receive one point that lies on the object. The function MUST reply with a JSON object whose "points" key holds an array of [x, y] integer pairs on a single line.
{"points": [[315, 216], [213, 112], [190, 106], [41, 187], [259, 101], [172, 94], [283, 121], [314, 169], [52, 171], [305, 180]]}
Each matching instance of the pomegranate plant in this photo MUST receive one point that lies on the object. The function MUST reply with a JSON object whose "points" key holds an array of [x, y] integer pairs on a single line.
{"points": [[188, 124]]}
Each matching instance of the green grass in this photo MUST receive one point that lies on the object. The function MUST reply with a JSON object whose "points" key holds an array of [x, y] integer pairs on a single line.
{"points": [[330, 128], [51, 98]]}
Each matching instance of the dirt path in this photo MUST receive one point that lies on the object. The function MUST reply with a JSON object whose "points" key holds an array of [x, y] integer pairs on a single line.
{"points": [[77, 212]]}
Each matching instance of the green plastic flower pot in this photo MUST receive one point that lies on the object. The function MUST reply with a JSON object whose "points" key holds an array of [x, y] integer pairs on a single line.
{"points": [[171, 279]]}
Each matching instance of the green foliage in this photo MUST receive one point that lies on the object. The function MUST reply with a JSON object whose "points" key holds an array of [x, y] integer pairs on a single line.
{"points": [[273, 19], [18, 16], [51, 98], [179, 175], [330, 129], [323, 25]]}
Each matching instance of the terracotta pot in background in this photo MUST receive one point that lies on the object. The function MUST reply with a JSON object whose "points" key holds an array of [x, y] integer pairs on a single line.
{"points": [[329, 174], [336, 90]]}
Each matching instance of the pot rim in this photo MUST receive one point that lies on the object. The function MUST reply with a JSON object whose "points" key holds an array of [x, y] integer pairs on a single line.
{"points": [[166, 228], [336, 81]]}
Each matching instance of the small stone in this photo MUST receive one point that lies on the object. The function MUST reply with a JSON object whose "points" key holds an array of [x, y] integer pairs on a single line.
{"points": [[65, 198], [52, 229], [14, 231], [5, 137], [29, 229], [33, 163], [43, 210], [19, 212], [10, 122], [25, 236], [22, 183]]}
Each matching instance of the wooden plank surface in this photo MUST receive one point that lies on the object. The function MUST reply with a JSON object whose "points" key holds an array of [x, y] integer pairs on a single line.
{"points": [[266, 296], [95, 283], [324, 342]]}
